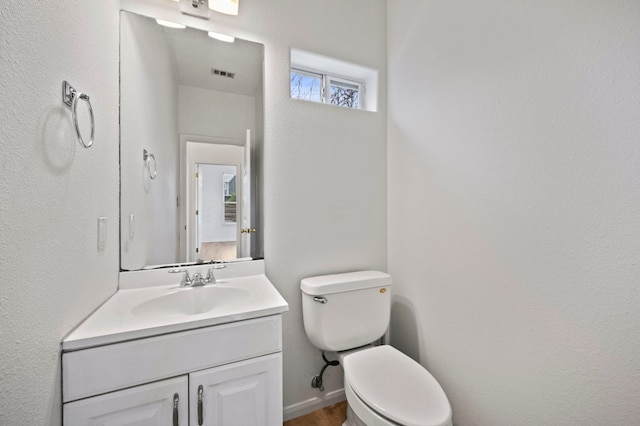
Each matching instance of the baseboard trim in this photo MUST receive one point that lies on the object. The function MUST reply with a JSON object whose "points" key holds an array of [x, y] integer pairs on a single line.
{"points": [[312, 404]]}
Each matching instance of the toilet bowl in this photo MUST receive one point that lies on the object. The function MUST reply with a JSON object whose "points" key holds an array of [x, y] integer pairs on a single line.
{"points": [[384, 387]]}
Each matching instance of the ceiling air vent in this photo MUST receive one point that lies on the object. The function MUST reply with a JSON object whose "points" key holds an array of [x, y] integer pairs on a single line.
{"points": [[222, 73]]}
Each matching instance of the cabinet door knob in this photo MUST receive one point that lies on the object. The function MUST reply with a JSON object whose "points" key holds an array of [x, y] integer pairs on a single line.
{"points": [[176, 400], [200, 391]]}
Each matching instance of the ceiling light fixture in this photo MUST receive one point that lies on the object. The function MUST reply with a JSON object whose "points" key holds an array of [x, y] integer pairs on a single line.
{"points": [[221, 37], [229, 7], [169, 24]]}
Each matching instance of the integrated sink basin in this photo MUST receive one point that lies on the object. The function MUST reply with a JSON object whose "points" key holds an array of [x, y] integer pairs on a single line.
{"points": [[191, 301], [152, 303]]}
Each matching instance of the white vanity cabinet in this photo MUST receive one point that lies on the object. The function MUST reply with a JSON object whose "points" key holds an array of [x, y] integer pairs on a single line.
{"points": [[160, 403], [242, 393], [223, 375]]}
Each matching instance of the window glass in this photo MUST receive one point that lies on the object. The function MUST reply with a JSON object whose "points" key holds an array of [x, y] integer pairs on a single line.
{"points": [[229, 197], [344, 94], [305, 85]]}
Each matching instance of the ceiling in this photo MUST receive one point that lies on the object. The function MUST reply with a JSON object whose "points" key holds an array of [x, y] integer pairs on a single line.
{"points": [[195, 54]]}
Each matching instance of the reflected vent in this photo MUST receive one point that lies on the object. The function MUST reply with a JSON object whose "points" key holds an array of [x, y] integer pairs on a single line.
{"points": [[221, 73]]}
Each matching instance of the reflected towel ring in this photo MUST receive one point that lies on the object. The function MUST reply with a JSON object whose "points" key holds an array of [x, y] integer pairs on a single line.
{"points": [[70, 97], [147, 157]]}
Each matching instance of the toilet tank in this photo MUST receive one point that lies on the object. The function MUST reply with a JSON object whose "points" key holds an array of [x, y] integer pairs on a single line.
{"points": [[344, 311]]}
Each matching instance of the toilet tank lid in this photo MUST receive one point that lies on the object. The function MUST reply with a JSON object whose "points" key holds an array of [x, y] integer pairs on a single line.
{"points": [[337, 283]]}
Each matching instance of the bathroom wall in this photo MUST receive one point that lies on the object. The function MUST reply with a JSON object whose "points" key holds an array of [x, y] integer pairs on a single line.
{"points": [[149, 95], [52, 191], [514, 205], [324, 179], [213, 113]]}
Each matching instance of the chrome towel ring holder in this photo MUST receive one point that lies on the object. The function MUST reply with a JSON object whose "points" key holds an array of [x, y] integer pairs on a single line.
{"points": [[147, 157], [70, 98]]}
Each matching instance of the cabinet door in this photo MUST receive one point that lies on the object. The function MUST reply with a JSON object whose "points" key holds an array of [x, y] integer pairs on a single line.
{"points": [[246, 393], [162, 403]]}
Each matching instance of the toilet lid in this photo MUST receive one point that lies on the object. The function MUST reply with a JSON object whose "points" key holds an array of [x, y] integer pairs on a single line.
{"points": [[397, 387]]}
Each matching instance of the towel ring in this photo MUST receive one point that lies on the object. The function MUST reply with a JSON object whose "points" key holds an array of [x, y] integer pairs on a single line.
{"points": [[147, 157], [74, 105], [70, 97]]}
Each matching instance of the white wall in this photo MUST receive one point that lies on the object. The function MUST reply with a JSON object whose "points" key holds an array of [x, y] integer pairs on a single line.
{"points": [[514, 205], [324, 169], [52, 191], [212, 113], [149, 105]]}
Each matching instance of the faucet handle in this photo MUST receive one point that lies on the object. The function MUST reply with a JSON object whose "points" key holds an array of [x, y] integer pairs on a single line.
{"points": [[211, 278], [186, 279]]}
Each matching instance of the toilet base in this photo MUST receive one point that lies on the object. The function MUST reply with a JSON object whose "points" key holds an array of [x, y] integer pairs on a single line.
{"points": [[352, 418]]}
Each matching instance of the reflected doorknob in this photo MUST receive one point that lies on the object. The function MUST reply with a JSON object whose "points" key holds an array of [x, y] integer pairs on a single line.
{"points": [[247, 230]]}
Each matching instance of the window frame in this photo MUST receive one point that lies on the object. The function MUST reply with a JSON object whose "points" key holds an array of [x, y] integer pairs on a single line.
{"points": [[325, 89]]}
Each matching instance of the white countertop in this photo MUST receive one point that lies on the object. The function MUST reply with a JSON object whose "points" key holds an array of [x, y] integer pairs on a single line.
{"points": [[115, 321]]}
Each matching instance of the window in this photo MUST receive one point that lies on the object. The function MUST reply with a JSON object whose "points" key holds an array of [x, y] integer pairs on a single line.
{"points": [[316, 87], [318, 78], [229, 197]]}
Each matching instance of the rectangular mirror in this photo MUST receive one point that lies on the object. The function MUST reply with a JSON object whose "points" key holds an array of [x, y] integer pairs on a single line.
{"points": [[191, 133]]}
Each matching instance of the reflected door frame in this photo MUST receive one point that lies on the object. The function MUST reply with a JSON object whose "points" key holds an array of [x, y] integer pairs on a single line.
{"points": [[229, 151]]}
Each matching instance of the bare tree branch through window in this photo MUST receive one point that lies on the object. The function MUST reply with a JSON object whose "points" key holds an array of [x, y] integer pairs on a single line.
{"points": [[310, 86]]}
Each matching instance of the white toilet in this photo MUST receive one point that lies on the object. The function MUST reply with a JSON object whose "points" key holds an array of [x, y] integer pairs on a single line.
{"points": [[346, 313]]}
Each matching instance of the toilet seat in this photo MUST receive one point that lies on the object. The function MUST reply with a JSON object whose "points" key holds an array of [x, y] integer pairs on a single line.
{"points": [[395, 388], [362, 412]]}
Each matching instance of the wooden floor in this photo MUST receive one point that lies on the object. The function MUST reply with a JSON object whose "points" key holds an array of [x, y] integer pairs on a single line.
{"points": [[224, 250], [332, 415]]}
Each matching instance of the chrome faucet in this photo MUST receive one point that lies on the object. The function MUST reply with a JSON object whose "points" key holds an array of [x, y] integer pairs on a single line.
{"points": [[197, 280]]}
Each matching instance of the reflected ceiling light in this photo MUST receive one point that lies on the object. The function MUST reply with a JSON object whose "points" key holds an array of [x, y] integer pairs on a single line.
{"points": [[229, 7], [221, 37], [170, 24]]}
